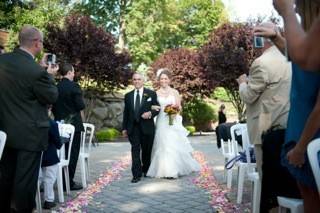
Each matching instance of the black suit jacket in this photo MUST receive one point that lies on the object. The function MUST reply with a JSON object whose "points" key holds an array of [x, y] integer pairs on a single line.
{"points": [[149, 98], [69, 104], [25, 91]]}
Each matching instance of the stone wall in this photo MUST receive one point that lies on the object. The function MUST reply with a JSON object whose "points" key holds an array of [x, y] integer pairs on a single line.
{"points": [[104, 110]]}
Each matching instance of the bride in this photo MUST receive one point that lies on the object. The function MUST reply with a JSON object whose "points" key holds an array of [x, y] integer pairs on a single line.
{"points": [[172, 153]]}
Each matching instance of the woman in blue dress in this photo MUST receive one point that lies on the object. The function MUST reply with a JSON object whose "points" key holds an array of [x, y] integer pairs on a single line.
{"points": [[302, 127]]}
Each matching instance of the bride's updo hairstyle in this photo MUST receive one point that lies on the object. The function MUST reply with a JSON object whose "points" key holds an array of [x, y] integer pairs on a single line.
{"points": [[163, 71]]}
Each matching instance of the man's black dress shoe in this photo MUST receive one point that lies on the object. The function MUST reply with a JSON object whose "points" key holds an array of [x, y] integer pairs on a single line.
{"points": [[135, 180], [75, 186], [48, 205]]}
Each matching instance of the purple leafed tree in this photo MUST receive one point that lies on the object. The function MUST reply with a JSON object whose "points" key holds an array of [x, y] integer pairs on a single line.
{"points": [[187, 73], [92, 52], [227, 55]]}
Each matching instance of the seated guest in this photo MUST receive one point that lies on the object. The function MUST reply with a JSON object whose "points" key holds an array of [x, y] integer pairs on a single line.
{"points": [[49, 165]]}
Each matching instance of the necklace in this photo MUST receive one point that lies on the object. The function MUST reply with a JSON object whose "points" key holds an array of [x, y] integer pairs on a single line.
{"points": [[165, 92]]}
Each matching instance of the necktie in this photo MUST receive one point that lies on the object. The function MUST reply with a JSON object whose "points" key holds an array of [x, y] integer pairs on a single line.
{"points": [[137, 106]]}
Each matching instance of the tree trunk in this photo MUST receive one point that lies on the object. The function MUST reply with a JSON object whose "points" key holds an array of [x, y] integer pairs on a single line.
{"points": [[122, 27]]}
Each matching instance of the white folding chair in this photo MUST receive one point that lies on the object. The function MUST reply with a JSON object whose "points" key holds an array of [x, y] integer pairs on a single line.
{"points": [[248, 169], [313, 154], [234, 130], [38, 198], [227, 152], [295, 205], [86, 141], [64, 129], [3, 138]]}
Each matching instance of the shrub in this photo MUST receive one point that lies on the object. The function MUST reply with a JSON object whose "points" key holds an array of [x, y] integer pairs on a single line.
{"points": [[220, 94], [199, 113], [107, 134], [191, 129]]}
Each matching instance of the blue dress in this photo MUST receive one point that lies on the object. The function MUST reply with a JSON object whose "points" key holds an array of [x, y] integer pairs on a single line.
{"points": [[303, 96]]}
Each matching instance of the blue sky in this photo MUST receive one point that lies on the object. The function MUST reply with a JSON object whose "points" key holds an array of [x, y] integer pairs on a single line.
{"points": [[240, 10]]}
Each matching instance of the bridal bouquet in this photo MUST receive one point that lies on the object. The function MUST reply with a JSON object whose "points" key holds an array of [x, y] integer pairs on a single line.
{"points": [[171, 111]]}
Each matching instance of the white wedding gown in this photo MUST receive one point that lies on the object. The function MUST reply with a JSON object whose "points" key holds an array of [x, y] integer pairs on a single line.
{"points": [[172, 153]]}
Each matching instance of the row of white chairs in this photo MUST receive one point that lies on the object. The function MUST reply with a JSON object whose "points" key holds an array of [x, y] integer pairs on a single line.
{"points": [[245, 169], [84, 154], [230, 150]]}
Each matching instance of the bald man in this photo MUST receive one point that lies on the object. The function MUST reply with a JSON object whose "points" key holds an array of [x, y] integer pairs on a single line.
{"points": [[26, 91]]}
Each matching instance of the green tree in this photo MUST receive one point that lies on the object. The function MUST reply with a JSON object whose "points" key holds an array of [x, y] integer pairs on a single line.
{"points": [[152, 27], [155, 26], [6, 9], [198, 19], [39, 14], [109, 14]]}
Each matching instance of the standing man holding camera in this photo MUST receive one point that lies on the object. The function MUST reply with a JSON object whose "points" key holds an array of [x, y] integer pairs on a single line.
{"points": [[26, 91], [69, 106], [266, 95]]}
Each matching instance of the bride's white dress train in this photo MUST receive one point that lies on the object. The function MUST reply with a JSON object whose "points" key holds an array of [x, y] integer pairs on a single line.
{"points": [[172, 153]]}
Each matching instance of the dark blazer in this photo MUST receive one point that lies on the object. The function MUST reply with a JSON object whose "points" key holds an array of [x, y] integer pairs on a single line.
{"points": [[50, 156], [25, 91], [69, 104], [147, 125]]}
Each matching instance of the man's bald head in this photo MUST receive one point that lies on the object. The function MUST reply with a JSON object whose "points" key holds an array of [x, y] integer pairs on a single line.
{"points": [[28, 35]]}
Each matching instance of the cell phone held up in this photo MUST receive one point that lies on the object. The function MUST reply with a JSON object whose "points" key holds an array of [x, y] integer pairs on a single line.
{"points": [[258, 42], [51, 59]]}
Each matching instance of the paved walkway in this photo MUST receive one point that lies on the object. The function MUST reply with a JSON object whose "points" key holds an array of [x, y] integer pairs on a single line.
{"points": [[150, 194]]}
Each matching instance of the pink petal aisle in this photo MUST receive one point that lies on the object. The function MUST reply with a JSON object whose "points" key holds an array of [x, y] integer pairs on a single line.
{"points": [[84, 197], [218, 199]]}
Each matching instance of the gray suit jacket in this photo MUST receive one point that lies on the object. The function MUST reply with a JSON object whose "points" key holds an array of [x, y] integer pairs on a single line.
{"points": [[26, 89], [267, 93]]}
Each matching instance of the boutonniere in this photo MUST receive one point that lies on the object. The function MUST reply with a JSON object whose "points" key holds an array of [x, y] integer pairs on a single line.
{"points": [[145, 95]]}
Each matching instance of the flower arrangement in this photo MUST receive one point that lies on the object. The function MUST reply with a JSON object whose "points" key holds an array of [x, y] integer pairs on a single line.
{"points": [[172, 111]]}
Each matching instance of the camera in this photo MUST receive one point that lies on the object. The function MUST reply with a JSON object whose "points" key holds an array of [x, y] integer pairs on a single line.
{"points": [[51, 59], [258, 42]]}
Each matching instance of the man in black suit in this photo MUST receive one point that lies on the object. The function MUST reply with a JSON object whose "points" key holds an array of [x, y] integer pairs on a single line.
{"points": [[68, 107], [26, 89], [138, 125]]}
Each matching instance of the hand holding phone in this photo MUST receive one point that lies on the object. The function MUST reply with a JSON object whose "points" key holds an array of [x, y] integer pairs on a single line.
{"points": [[51, 59]]}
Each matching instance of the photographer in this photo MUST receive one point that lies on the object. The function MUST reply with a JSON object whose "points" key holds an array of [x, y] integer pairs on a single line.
{"points": [[266, 95], [26, 90]]}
